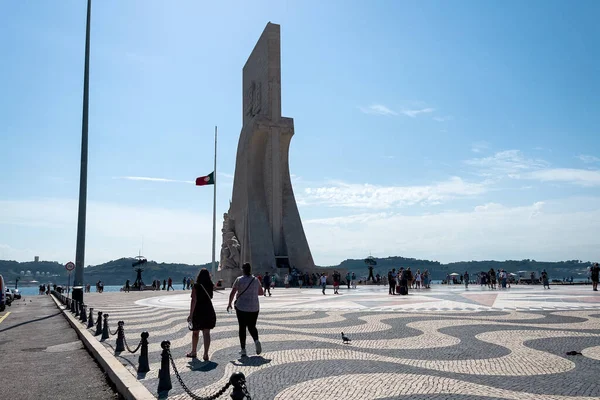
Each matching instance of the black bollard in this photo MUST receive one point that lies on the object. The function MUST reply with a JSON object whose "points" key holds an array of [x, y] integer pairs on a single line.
{"points": [[143, 365], [72, 305], [120, 337], [83, 314], [105, 332], [91, 318], [164, 375], [238, 381], [99, 324], [77, 309]]}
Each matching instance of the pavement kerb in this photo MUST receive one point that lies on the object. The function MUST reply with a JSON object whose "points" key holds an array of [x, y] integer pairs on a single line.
{"points": [[126, 384]]}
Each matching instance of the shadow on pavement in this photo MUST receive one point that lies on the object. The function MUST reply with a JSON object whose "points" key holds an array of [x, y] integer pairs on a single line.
{"points": [[29, 322]]}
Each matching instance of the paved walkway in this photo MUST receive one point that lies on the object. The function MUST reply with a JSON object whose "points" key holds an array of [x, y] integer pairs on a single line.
{"points": [[463, 348], [41, 356], [439, 298]]}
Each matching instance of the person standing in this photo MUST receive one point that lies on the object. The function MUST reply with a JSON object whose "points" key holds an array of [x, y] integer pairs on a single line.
{"points": [[595, 275], [170, 284], [545, 281], [392, 282], [348, 279], [267, 284], [246, 290], [466, 279], [202, 313], [323, 281], [184, 282], [353, 280], [127, 286]]}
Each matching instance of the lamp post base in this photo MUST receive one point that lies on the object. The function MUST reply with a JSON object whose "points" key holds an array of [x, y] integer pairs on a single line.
{"points": [[77, 294]]}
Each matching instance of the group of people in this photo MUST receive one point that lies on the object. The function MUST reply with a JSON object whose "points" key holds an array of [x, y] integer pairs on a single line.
{"points": [[400, 281], [243, 298]]}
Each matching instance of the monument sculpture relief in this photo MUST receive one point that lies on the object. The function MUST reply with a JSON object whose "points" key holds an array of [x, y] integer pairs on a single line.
{"points": [[263, 211], [230, 249]]}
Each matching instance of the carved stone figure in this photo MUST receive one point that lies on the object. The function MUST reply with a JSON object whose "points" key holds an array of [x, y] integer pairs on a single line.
{"points": [[230, 249]]}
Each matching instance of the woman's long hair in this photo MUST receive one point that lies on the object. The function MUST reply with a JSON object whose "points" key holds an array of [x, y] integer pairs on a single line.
{"points": [[203, 278]]}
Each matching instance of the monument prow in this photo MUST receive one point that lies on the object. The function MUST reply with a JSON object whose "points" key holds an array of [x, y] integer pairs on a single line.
{"points": [[263, 213]]}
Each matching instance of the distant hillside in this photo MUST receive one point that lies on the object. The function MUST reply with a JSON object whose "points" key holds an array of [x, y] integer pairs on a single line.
{"points": [[116, 272]]}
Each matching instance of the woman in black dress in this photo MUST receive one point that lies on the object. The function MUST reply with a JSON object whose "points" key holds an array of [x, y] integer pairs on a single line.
{"points": [[202, 314]]}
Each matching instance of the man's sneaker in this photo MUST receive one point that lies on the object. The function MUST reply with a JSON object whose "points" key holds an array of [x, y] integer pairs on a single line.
{"points": [[243, 353], [258, 346]]}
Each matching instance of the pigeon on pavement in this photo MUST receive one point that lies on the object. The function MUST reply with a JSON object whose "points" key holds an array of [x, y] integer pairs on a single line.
{"points": [[345, 339]]}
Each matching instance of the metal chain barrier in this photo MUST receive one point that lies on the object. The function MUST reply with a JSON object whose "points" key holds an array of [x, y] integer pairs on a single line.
{"points": [[237, 380], [128, 348]]}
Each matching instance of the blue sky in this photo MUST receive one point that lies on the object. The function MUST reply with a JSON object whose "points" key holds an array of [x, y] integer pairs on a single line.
{"points": [[439, 130]]}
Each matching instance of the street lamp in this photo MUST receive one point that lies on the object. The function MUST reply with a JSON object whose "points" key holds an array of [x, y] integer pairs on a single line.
{"points": [[80, 251]]}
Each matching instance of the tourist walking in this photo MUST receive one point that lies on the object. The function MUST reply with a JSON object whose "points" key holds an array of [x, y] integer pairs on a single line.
{"points": [[336, 282], [246, 290], [595, 275], [184, 282], [466, 279], [266, 284], [418, 278], [202, 313], [353, 280], [323, 280], [127, 286], [170, 284], [348, 279], [545, 281]]}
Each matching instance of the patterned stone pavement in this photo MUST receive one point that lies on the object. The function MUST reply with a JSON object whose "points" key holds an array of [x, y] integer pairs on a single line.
{"points": [[443, 343]]}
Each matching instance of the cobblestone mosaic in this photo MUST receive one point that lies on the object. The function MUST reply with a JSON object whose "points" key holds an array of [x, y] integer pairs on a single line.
{"points": [[408, 351]]}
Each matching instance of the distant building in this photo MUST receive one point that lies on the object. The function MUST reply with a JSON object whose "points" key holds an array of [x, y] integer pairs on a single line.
{"points": [[36, 259]]}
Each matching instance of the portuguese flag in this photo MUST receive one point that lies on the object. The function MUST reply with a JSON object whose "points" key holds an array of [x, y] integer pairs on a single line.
{"points": [[206, 180]]}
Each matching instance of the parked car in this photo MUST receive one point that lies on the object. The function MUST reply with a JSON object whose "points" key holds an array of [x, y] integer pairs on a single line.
{"points": [[16, 293], [4, 299], [10, 297]]}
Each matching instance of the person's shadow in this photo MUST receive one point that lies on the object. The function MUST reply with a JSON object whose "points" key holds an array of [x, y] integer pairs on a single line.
{"points": [[202, 366], [254, 361]]}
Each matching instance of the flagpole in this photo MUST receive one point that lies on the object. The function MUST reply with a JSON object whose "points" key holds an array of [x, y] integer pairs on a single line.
{"points": [[214, 241]]}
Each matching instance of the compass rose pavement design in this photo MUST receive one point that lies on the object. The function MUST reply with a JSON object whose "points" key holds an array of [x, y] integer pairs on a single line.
{"points": [[443, 343]]}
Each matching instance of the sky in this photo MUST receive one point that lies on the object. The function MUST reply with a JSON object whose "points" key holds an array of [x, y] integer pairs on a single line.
{"points": [[448, 131]]}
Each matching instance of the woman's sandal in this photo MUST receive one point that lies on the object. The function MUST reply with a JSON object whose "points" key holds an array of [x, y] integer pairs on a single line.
{"points": [[191, 355]]}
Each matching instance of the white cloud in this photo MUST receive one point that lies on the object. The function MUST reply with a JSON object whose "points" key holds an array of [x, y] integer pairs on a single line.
{"points": [[377, 109], [588, 159], [343, 194], [443, 119], [149, 179], [509, 162], [415, 113], [582, 177], [490, 231]]}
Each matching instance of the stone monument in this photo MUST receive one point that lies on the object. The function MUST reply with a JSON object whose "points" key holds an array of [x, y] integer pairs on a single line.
{"points": [[263, 216]]}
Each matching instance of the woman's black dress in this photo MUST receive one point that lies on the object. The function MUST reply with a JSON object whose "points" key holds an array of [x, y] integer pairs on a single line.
{"points": [[204, 314]]}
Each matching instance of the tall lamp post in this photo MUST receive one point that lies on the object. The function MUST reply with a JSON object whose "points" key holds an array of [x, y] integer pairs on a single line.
{"points": [[80, 252]]}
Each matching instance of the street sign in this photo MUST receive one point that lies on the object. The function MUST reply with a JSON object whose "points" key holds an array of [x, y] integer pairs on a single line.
{"points": [[70, 266]]}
